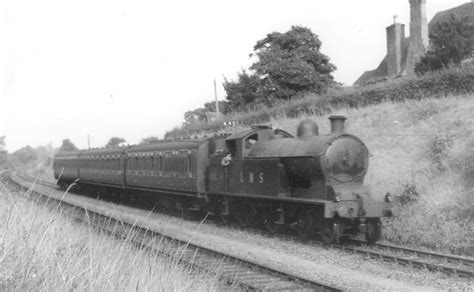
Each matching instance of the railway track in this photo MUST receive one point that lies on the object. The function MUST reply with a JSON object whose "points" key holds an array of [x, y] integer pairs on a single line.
{"points": [[448, 264], [247, 274]]}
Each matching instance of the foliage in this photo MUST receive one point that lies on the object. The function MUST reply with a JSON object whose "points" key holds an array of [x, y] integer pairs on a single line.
{"points": [[287, 64], [2, 143], [191, 117], [243, 91], [450, 42], [68, 146], [201, 114], [25, 155], [149, 140], [46, 249], [451, 81], [409, 194], [224, 106], [3, 153], [291, 62], [115, 142]]}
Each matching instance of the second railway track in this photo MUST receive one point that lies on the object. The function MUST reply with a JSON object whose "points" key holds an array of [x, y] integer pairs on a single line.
{"points": [[236, 271], [445, 263]]}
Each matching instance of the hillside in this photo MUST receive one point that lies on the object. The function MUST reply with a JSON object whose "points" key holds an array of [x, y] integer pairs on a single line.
{"points": [[421, 151]]}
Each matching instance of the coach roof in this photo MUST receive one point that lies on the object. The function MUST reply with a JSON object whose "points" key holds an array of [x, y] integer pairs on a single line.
{"points": [[171, 145]]}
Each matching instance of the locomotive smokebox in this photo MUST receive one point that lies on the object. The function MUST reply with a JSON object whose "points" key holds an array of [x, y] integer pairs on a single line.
{"points": [[337, 124], [307, 128]]}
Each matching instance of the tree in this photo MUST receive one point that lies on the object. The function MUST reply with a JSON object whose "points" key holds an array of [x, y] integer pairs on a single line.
{"points": [[194, 116], [149, 140], [115, 142], [25, 155], [68, 146], [3, 153], [243, 91], [290, 62], [223, 106], [451, 42], [2, 143]]}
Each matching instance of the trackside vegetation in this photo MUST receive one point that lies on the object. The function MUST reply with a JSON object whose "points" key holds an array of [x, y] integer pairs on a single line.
{"points": [[44, 250], [421, 151], [442, 83]]}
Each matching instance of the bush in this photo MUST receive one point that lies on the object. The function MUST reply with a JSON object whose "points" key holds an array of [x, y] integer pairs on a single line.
{"points": [[409, 194], [452, 81]]}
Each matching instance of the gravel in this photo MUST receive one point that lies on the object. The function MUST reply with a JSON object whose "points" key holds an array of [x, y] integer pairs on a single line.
{"points": [[338, 268]]}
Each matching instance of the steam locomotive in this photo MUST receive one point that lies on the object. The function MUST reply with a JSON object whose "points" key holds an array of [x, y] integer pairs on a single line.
{"points": [[311, 183]]}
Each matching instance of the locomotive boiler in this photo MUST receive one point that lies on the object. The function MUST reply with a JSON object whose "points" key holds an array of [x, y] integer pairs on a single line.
{"points": [[311, 183]]}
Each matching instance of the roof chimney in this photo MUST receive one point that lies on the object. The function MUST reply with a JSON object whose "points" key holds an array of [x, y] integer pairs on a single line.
{"points": [[395, 38], [337, 124], [395, 18]]}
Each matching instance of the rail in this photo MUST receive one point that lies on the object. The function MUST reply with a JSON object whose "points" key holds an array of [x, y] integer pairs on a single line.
{"points": [[247, 274]]}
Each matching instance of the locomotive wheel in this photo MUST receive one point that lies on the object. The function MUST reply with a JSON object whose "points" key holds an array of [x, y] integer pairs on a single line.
{"points": [[304, 223], [373, 230], [330, 232], [270, 217], [245, 215]]}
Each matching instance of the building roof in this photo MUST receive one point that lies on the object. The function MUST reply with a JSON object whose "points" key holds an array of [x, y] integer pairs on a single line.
{"points": [[381, 73]]}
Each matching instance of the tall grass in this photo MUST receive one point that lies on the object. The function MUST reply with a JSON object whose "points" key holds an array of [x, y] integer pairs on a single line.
{"points": [[421, 151], [44, 250]]}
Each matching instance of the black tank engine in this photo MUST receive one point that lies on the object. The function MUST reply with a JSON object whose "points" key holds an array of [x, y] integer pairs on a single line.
{"points": [[312, 183]]}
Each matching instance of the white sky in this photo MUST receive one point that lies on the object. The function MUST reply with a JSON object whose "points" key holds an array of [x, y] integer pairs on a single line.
{"points": [[132, 68]]}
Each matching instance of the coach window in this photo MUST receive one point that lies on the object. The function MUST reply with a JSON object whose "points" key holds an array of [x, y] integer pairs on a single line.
{"points": [[190, 164], [156, 162], [131, 162], [148, 162], [135, 162], [141, 162]]}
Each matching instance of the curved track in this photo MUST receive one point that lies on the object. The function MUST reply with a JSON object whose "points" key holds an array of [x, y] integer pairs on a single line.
{"points": [[236, 271]]}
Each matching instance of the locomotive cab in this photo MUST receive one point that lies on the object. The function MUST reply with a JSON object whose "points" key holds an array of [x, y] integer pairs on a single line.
{"points": [[236, 173], [241, 144]]}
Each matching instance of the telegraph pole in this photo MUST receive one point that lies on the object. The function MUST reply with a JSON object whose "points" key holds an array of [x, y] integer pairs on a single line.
{"points": [[215, 96]]}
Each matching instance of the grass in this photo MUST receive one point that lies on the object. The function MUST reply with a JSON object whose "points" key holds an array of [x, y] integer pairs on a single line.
{"points": [[42, 249], [422, 152], [447, 82]]}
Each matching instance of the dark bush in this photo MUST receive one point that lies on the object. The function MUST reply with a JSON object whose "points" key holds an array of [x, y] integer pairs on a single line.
{"points": [[409, 194]]}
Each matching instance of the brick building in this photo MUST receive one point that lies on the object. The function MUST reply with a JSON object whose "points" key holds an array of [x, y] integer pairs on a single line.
{"points": [[403, 52]]}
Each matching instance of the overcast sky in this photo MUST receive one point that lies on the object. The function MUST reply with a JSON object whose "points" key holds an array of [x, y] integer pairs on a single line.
{"points": [[131, 69]]}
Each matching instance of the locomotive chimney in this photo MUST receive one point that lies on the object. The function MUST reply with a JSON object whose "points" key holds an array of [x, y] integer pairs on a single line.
{"points": [[337, 124]]}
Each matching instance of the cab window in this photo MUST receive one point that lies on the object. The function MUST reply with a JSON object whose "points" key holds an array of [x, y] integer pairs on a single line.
{"points": [[250, 141]]}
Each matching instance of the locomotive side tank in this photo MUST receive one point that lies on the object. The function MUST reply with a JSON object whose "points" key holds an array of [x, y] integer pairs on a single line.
{"points": [[313, 182], [337, 165]]}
